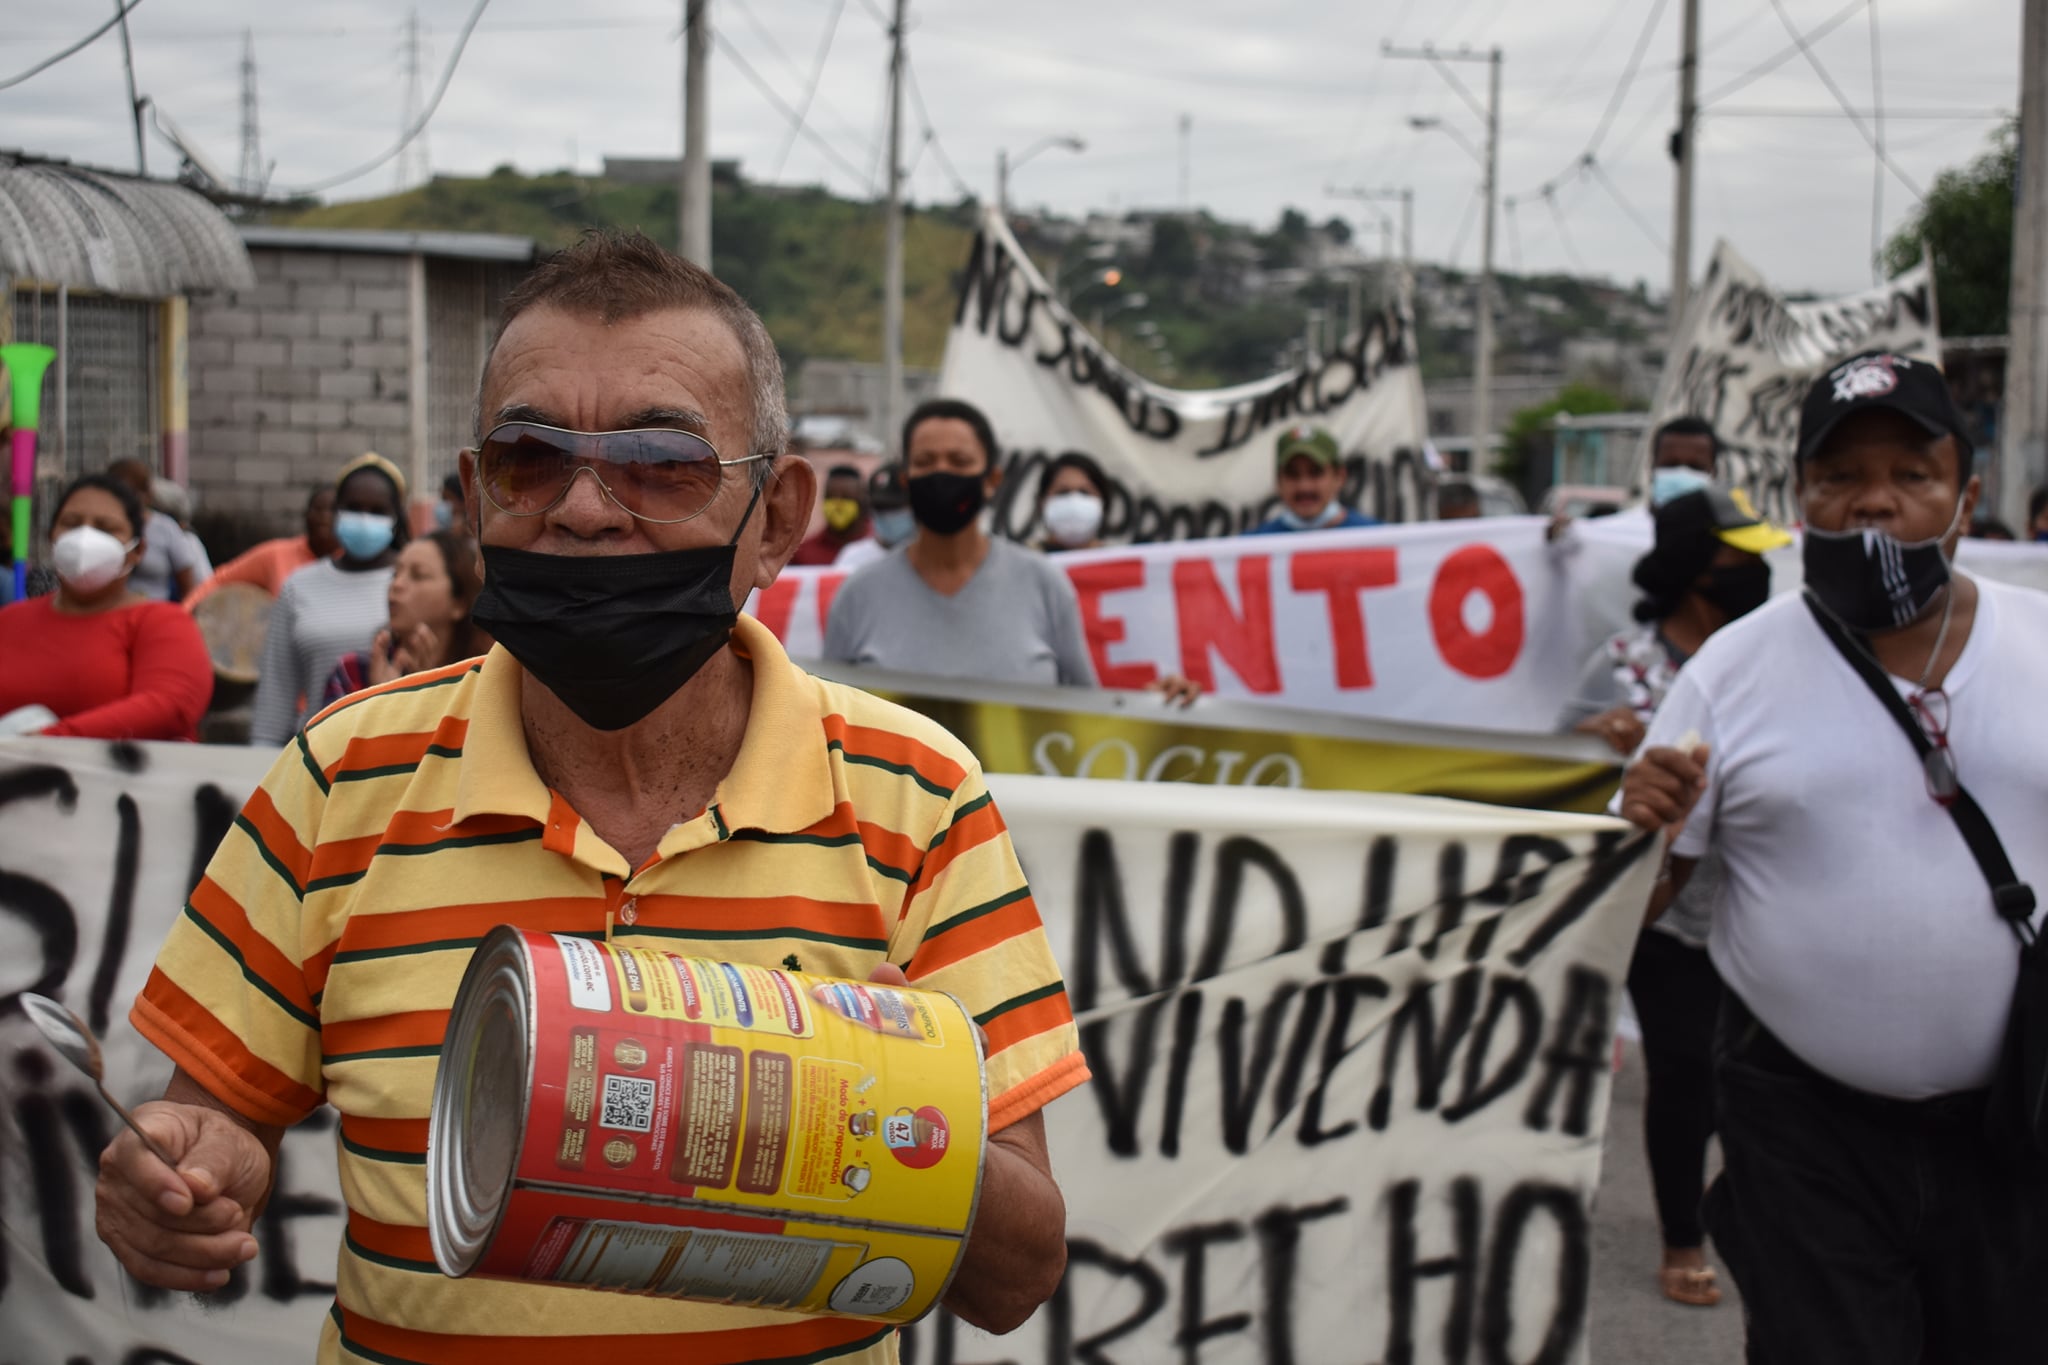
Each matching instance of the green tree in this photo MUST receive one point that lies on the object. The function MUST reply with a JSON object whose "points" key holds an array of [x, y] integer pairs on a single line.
{"points": [[1173, 255], [1966, 224]]}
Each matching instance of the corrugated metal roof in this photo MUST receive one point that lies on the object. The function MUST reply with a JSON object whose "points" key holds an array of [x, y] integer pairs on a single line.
{"points": [[63, 224], [473, 246]]}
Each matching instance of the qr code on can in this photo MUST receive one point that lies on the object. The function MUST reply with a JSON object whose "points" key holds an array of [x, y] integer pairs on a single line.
{"points": [[628, 1104]]}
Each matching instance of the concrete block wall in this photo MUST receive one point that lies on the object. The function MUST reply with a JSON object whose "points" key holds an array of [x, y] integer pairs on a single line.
{"points": [[291, 379]]}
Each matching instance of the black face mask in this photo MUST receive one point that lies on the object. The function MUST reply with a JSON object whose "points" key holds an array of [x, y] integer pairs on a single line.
{"points": [[614, 636], [1736, 590], [1871, 581], [944, 503]]}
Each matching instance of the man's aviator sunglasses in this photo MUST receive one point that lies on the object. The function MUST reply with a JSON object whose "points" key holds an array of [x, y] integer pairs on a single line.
{"points": [[658, 474]]}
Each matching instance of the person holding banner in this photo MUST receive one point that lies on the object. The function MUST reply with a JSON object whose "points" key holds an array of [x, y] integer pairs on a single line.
{"points": [[635, 759], [958, 602], [1310, 476], [96, 659], [1705, 570], [1868, 1208]]}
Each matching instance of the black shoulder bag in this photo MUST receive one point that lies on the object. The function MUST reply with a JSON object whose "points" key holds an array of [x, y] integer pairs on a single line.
{"points": [[2017, 1113]]}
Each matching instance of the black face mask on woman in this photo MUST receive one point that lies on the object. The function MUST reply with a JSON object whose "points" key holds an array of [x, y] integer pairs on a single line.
{"points": [[1870, 580], [944, 503], [614, 636], [1736, 590]]}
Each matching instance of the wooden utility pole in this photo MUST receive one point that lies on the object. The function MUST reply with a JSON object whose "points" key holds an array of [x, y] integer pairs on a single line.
{"points": [[892, 243], [1682, 154], [693, 193], [2023, 459]]}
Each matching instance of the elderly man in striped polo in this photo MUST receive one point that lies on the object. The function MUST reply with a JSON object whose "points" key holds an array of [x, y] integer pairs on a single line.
{"points": [[634, 758]]}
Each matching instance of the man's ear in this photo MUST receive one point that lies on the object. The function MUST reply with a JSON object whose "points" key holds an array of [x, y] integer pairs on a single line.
{"points": [[785, 513], [472, 507]]}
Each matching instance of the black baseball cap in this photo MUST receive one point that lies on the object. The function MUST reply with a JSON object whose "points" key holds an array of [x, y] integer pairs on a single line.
{"points": [[1717, 514], [1880, 379], [885, 488]]}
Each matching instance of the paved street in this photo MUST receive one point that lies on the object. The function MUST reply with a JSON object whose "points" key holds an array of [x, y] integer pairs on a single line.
{"points": [[1632, 1323]]}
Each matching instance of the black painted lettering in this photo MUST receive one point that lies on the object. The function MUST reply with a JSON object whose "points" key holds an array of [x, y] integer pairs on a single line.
{"points": [[1578, 1056], [1406, 1270], [1505, 993], [1574, 1274], [1279, 1233], [1061, 1347], [1192, 1245], [1435, 1048], [1244, 1084], [1345, 993]]}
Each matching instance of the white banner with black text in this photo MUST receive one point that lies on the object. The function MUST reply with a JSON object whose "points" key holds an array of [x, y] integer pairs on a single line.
{"points": [[1350, 1055], [1746, 355], [1181, 463]]}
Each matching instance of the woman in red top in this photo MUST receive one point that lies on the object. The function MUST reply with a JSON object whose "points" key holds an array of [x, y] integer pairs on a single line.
{"points": [[108, 662]]}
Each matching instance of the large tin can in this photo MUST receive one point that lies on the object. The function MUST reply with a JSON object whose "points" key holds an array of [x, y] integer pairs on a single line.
{"points": [[626, 1119]]}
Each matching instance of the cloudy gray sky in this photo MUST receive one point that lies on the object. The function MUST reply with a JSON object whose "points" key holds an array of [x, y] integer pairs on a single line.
{"points": [[1286, 98]]}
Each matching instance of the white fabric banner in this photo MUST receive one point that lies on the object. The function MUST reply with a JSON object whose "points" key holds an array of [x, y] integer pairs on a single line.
{"points": [[1481, 624], [1181, 463], [1350, 1054], [1462, 623], [1746, 356]]}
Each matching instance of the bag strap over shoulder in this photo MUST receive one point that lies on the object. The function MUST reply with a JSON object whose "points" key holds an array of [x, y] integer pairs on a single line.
{"points": [[2011, 897]]}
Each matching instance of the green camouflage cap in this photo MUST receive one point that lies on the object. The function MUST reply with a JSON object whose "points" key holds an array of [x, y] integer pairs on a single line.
{"points": [[1314, 442]]}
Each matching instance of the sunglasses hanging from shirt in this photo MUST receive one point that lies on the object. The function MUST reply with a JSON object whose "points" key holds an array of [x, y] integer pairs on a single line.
{"points": [[659, 474], [2016, 1116]]}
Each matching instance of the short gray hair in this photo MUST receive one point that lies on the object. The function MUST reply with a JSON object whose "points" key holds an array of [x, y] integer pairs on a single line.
{"points": [[616, 275]]}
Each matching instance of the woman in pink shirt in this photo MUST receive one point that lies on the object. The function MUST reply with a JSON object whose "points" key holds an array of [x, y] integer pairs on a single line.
{"points": [[106, 661]]}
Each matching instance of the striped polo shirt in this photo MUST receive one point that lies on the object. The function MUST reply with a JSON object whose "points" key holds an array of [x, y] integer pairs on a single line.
{"points": [[318, 958]]}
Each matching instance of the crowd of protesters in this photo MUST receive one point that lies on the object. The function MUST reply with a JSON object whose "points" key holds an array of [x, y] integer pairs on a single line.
{"points": [[1802, 848]]}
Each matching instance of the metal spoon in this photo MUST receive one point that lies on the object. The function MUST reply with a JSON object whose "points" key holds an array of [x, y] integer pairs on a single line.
{"points": [[67, 1033]]}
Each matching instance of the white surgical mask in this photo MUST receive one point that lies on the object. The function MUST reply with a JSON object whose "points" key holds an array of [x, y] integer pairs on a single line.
{"points": [[1675, 481], [1072, 518], [88, 559]]}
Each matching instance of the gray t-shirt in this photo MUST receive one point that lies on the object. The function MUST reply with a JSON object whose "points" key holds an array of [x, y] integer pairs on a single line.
{"points": [[166, 549], [1017, 620], [323, 612]]}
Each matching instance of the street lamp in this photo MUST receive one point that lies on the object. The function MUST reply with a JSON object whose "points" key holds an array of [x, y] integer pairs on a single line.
{"points": [[1432, 124], [1004, 165]]}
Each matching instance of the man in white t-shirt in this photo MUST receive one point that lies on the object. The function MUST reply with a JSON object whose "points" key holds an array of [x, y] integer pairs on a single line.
{"points": [[1862, 1209]]}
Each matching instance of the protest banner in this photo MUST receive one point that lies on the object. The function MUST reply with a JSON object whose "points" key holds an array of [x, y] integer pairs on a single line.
{"points": [[1745, 357], [1180, 463], [1458, 623], [1350, 1065], [1141, 737]]}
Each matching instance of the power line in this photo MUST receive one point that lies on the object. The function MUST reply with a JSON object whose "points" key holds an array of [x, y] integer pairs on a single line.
{"points": [[1813, 60], [1564, 237], [1876, 171], [803, 108], [795, 120], [81, 45], [419, 125], [1464, 228], [1599, 174], [1778, 59], [1606, 123], [931, 133]]}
